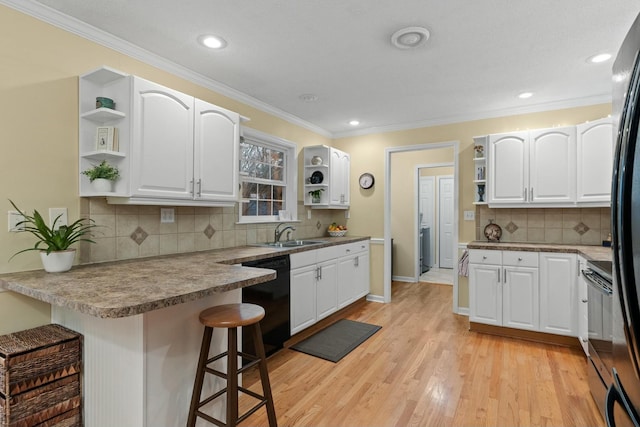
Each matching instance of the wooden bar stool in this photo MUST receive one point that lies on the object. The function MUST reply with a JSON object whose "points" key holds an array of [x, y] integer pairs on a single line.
{"points": [[231, 316]]}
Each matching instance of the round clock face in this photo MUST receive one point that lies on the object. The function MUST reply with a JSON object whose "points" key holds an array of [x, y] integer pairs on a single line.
{"points": [[366, 180]]}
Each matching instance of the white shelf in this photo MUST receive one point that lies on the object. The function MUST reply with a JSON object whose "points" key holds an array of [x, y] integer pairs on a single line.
{"points": [[103, 154], [479, 203], [316, 166], [101, 115], [479, 159], [104, 75], [480, 181]]}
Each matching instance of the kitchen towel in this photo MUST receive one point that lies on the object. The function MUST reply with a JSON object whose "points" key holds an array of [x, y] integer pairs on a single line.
{"points": [[463, 264]]}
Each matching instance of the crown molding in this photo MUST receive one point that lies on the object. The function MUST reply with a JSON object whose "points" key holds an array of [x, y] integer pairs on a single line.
{"points": [[503, 112], [84, 30]]}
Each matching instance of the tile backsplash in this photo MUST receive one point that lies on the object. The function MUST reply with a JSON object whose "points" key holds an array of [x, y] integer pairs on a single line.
{"points": [[127, 232], [584, 226]]}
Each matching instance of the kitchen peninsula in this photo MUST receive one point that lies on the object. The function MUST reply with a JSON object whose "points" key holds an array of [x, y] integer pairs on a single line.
{"points": [[140, 324]]}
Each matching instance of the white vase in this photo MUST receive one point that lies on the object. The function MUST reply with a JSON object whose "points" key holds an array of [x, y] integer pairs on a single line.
{"points": [[101, 185], [56, 262]]}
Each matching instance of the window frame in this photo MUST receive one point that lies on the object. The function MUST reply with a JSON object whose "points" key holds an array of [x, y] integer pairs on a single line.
{"points": [[290, 182]]}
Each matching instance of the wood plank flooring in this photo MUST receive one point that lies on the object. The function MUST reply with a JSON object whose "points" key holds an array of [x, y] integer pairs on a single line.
{"points": [[425, 368]]}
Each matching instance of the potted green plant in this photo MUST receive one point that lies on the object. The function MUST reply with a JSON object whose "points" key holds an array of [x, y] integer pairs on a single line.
{"points": [[315, 195], [102, 176], [54, 241]]}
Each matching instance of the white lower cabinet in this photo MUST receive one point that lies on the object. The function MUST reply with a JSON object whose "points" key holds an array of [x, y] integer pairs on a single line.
{"points": [[503, 288], [325, 280], [558, 293], [524, 290], [583, 307]]}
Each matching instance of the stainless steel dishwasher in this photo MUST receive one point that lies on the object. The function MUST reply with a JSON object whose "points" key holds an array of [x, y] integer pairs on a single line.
{"points": [[274, 297]]}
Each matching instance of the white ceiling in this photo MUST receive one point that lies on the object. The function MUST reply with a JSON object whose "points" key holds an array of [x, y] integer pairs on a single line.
{"points": [[481, 54]]}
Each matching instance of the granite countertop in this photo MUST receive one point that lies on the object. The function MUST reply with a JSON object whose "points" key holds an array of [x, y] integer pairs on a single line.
{"points": [[594, 253], [130, 287]]}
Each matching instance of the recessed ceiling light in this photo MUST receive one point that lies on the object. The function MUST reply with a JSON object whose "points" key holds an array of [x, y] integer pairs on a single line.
{"points": [[354, 122], [525, 95], [212, 42], [410, 37], [602, 57]]}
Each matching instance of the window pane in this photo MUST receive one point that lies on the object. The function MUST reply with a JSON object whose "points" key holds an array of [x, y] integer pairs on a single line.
{"points": [[277, 173], [264, 208], [277, 158], [249, 208], [249, 190], [265, 192], [278, 192], [277, 206]]}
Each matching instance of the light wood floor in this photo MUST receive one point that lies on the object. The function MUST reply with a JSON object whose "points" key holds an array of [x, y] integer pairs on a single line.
{"points": [[424, 368]]}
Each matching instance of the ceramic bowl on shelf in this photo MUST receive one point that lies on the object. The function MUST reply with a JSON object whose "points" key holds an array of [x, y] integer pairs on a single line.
{"points": [[338, 233]]}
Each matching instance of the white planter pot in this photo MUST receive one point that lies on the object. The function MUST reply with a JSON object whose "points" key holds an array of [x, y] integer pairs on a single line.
{"points": [[56, 262], [101, 185]]}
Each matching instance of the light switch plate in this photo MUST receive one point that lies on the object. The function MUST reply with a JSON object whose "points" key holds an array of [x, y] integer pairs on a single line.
{"points": [[54, 213], [14, 218], [469, 215]]}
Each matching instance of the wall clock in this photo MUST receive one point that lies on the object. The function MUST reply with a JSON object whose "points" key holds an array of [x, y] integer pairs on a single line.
{"points": [[366, 180]]}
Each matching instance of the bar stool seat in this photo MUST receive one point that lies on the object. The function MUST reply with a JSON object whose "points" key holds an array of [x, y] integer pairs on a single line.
{"points": [[230, 317]]}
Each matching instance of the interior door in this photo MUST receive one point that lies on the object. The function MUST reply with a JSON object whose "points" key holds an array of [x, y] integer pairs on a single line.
{"points": [[426, 202], [445, 221]]}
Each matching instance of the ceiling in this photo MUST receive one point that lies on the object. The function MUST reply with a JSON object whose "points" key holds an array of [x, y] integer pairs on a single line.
{"points": [[480, 56]]}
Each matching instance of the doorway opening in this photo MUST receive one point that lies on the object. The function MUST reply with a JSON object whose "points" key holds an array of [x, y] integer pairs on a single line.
{"points": [[434, 213], [395, 227]]}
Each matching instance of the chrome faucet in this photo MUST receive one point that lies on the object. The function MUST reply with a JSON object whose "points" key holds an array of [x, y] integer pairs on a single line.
{"points": [[277, 233]]}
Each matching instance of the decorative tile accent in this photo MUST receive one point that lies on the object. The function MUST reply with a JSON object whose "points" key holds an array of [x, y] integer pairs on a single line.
{"points": [[511, 227], [318, 225], [139, 235], [581, 228], [209, 231]]}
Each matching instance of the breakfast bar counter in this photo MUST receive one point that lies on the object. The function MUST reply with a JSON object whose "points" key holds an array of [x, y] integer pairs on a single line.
{"points": [[139, 319]]}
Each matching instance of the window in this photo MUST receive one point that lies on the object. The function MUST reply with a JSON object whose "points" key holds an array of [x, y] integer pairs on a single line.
{"points": [[267, 178]]}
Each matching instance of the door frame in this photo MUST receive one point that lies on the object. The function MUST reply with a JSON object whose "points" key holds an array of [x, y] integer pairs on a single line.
{"points": [[417, 212], [387, 210]]}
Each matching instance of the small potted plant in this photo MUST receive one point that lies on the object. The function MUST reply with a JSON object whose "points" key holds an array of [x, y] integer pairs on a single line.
{"points": [[102, 176], [315, 195], [54, 241]]}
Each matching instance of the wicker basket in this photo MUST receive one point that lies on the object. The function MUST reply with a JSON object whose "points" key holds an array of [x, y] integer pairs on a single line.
{"points": [[338, 233], [40, 377]]}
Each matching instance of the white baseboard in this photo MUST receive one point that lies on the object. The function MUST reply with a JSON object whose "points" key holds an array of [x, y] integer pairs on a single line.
{"points": [[375, 298], [404, 279], [463, 311]]}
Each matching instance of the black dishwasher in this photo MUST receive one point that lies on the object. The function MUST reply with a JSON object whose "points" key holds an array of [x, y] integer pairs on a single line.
{"points": [[273, 296]]}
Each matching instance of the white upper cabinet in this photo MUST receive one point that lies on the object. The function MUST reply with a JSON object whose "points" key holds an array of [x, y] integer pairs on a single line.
{"points": [[557, 167], [326, 171], [595, 161], [162, 153], [552, 165], [339, 169], [508, 167], [172, 148], [216, 152]]}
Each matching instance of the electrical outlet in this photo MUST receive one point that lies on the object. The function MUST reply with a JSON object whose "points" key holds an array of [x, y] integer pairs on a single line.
{"points": [[167, 215], [14, 218], [308, 213], [347, 214], [469, 215], [55, 213]]}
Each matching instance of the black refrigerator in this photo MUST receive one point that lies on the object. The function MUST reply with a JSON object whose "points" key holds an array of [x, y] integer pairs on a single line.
{"points": [[622, 404]]}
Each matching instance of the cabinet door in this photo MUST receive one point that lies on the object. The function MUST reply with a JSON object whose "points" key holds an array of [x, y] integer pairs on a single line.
{"points": [[508, 168], [520, 298], [216, 147], [485, 294], [327, 289], [339, 177], [552, 165], [362, 274], [558, 294], [595, 161], [303, 298], [162, 146], [347, 272]]}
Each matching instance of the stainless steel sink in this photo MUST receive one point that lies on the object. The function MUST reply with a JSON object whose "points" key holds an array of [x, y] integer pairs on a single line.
{"points": [[290, 243]]}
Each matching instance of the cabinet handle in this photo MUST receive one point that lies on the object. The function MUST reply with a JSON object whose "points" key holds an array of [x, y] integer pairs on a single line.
{"points": [[531, 194], [519, 258], [585, 301], [191, 183], [199, 187], [584, 340], [504, 280], [498, 275], [484, 257], [320, 272], [317, 273], [525, 194], [356, 261]]}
